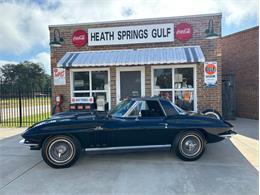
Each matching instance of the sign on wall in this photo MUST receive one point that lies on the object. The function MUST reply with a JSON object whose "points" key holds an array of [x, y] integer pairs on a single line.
{"points": [[183, 32], [131, 34], [79, 38], [59, 76], [210, 73], [82, 100]]}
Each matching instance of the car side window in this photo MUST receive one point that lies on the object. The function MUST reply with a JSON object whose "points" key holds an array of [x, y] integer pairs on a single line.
{"points": [[154, 109], [168, 108], [138, 108]]}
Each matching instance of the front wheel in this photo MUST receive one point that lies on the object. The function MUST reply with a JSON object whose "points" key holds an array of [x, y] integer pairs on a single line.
{"points": [[189, 145], [60, 151]]}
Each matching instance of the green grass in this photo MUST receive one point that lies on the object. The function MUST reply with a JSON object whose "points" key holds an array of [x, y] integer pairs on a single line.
{"points": [[26, 120], [26, 102]]}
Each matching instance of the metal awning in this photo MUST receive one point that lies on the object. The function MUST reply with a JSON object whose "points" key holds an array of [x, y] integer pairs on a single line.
{"points": [[164, 55]]}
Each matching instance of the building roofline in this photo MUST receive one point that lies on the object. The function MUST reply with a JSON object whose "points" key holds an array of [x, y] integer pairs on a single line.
{"points": [[136, 20], [242, 31]]}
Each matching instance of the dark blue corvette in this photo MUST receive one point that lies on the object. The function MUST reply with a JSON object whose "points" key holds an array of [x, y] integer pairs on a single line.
{"points": [[133, 122]]}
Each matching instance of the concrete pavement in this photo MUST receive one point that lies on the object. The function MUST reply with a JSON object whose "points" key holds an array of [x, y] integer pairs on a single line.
{"points": [[223, 169], [8, 132]]}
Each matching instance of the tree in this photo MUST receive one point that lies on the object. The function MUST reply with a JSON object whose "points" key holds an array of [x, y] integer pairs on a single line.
{"points": [[26, 76]]}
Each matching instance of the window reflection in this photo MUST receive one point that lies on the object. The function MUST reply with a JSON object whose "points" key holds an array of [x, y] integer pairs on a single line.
{"points": [[182, 93], [185, 99], [183, 78], [99, 80], [81, 81], [163, 78]]}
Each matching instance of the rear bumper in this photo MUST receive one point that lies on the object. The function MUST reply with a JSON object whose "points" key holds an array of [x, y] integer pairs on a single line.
{"points": [[227, 134], [33, 146]]}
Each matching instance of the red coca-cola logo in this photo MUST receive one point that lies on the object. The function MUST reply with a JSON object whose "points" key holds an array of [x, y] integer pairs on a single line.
{"points": [[79, 38], [183, 32]]}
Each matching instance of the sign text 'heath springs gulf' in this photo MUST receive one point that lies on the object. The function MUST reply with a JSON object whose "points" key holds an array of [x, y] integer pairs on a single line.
{"points": [[131, 34]]}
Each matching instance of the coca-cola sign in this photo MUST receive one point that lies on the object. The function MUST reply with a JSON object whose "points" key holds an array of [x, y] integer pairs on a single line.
{"points": [[79, 38], [183, 32]]}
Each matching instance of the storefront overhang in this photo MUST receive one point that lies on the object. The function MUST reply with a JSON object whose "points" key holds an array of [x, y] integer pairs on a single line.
{"points": [[128, 57]]}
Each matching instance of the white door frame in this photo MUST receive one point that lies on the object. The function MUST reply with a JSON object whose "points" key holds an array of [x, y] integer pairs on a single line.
{"points": [[123, 69]]}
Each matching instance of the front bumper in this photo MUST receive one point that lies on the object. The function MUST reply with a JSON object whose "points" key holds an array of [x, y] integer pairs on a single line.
{"points": [[227, 134], [33, 146]]}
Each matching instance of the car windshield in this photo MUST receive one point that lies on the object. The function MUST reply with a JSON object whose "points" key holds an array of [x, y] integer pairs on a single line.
{"points": [[121, 108], [179, 110]]}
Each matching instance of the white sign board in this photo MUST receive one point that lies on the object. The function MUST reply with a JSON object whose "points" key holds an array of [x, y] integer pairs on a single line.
{"points": [[82, 100], [59, 76], [210, 73], [131, 34]]}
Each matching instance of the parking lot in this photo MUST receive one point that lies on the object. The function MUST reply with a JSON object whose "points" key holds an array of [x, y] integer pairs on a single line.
{"points": [[227, 167]]}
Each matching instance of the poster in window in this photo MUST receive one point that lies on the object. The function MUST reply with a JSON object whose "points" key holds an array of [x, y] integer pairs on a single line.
{"points": [[210, 74], [59, 76]]}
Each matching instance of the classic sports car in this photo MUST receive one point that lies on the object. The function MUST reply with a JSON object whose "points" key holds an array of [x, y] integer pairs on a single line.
{"points": [[133, 122]]}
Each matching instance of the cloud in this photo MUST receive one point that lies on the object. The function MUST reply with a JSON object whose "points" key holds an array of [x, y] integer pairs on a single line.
{"points": [[3, 62], [24, 24], [43, 58]]}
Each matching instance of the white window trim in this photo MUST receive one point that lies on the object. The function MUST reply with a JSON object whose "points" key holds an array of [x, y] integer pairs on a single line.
{"points": [[90, 84], [123, 69], [173, 87]]}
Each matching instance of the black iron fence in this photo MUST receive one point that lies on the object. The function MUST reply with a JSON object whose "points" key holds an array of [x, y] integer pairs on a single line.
{"points": [[23, 107]]}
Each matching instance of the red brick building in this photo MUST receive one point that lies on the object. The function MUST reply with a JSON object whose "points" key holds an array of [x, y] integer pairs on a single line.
{"points": [[240, 57], [105, 62]]}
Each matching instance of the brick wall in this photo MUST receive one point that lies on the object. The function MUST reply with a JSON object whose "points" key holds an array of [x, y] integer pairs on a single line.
{"points": [[240, 56], [207, 98]]}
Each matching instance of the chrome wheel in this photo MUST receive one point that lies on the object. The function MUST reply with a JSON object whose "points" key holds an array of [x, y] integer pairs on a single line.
{"points": [[61, 151], [212, 115], [190, 145]]}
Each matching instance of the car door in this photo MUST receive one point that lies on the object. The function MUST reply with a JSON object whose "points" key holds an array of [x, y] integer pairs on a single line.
{"points": [[122, 131], [132, 129], [154, 124]]}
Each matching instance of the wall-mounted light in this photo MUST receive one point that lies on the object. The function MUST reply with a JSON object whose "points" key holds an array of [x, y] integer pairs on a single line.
{"points": [[210, 31], [57, 39]]}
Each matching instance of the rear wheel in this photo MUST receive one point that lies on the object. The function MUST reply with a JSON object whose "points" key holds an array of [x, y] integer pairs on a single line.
{"points": [[189, 145], [212, 114], [60, 151]]}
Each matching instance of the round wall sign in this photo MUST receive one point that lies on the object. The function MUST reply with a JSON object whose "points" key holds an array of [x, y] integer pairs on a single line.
{"points": [[79, 38], [183, 32], [210, 69]]}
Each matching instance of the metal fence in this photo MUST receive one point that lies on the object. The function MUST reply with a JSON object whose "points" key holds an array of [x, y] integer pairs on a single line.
{"points": [[20, 107]]}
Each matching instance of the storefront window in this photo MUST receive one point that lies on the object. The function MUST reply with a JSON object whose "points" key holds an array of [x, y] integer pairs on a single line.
{"points": [[163, 78], [99, 80], [182, 93], [165, 94], [183, 78], [184, 99], [81, 81], [97, 89], [81, 94]]}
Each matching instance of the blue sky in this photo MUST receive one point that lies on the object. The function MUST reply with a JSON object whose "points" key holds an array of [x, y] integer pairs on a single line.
{"points": [[24, 23]]}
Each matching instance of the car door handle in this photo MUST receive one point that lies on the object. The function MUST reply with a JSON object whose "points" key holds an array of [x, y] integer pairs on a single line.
{"points": [[164, 124]]}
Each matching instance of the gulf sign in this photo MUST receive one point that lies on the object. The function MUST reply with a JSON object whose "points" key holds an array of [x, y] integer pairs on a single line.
{"points": [[210, 73]]}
